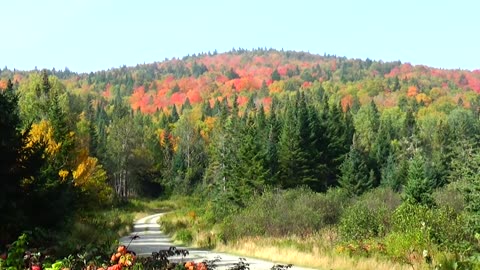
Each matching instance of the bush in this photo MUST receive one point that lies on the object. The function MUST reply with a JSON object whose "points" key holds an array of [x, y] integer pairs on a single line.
{"points": [[184, 235], [417, 228], [369, 216], [450, 196], [172, 223], [286, 212], [407, 246]]}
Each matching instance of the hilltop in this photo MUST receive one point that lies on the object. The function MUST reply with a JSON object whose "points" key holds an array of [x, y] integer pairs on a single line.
{"points": [[262, 74]]}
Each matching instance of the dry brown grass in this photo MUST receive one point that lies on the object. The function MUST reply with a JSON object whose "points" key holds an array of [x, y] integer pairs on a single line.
{"points": [[316, 257]]}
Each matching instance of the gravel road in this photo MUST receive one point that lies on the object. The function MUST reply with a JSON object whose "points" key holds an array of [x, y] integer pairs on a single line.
{"points": [[153, 239]]}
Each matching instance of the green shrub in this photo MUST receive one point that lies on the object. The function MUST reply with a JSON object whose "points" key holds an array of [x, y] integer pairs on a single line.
{"points": [[286, 212], [400, 245], [411, 232], [457, 262], [15, 254], [369, 216], [172, 223], [443, 226], [184, 235], [450, 196], [417, 228]]}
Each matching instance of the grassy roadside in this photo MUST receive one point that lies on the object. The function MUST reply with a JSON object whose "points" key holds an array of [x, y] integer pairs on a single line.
{"points": [[189, 225], [316, 251], [289, 251], [100, 230]]}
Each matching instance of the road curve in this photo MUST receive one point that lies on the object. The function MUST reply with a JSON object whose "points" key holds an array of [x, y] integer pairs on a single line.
{"points": [[151, 239]]}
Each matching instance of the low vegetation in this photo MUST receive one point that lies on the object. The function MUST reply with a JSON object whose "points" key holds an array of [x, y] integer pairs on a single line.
{"points": [[377, 230]]}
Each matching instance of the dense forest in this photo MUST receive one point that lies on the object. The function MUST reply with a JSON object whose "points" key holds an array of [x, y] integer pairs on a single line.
{"points": [[233, 126]]}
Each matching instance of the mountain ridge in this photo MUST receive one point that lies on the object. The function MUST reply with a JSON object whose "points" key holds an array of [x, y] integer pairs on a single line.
{"points": [[263, 73]]}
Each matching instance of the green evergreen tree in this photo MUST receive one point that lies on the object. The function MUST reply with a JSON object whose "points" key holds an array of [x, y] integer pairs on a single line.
{"points": [[46, 86], [289, 148], [174, 114], [272, 158], [231, 74], [396, 84], [382, 146], [355, 177], [466, 172], [275, 75], [418, 188], [305, 170], [337, 139], [207, 111], [186, 105], [250, 172], [317, 152], [410, 125], [17, 162]]}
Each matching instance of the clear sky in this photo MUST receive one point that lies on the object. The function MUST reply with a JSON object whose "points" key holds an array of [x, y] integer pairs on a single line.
{"points": [[90, 35]]}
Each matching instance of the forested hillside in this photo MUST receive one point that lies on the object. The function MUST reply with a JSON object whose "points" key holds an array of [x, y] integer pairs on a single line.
{"points": [[233, 126]]}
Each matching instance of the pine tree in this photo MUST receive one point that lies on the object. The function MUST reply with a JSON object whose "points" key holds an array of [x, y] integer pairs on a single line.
{"points": [[216, 110], [275, 76], [207, 111], [58, 120], [46, 86], [305, 169], [396, 84], [466, 172], [250, 172], [317, 151], [17, 162], [272, 144], [418, 188], [186, 105], [409, 128], [393, 172], [355, 178], [289, 148], [174, 114], [337, 139], [382, 146]]}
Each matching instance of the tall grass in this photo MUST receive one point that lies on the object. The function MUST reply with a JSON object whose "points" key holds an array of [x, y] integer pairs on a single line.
{"points": [[289, 250]]}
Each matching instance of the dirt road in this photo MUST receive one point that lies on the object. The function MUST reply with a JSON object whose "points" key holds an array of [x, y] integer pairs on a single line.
{"points": [[153, 239]]}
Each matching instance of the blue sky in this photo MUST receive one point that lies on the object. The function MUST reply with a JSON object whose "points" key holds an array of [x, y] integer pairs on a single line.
{"points": [[90, 35]]}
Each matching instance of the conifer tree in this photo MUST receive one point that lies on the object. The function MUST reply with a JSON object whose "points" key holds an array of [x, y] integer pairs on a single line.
{"points": [[272, 144], [289, 148], [275, 76], [174, 114], [355, 177], [250, 172], [186, 105], [17, 162], [418, 188]]}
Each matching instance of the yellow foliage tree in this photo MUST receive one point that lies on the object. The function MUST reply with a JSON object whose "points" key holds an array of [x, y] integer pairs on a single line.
{"points": [[91, 178], [276, 87], [423, 98], [42, 132]]}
